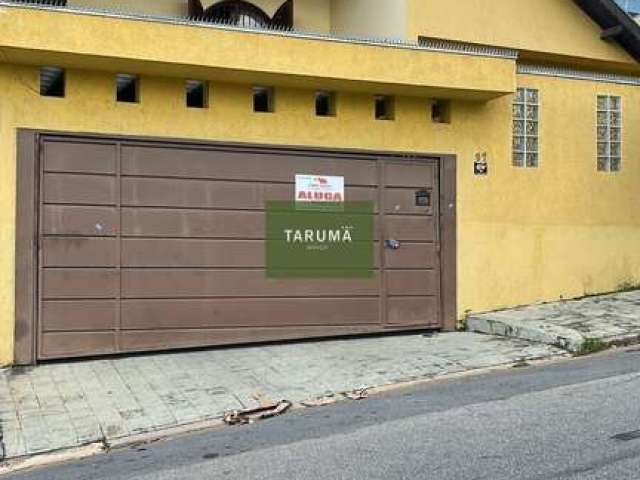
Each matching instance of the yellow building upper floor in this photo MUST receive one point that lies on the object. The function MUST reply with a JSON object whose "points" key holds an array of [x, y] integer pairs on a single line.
{"points": [[578, 33], [566, 31], [71, 36], [466, 49]]}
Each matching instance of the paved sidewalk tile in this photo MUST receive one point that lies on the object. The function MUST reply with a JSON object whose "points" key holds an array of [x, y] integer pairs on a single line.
{"points": [[63, 405]]}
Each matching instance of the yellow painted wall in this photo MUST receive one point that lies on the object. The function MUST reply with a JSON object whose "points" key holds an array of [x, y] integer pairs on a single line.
{"points": [[524, 235], [60, 38], [370, 18], [90, 107], [563, 229], [556, 27], [552, 27]]}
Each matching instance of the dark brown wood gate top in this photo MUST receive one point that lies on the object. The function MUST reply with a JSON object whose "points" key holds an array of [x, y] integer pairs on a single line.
{"points": [[150, 245]]}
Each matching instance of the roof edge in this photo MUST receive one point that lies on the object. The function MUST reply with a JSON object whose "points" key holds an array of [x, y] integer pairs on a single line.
{"points": [[616, 24]]}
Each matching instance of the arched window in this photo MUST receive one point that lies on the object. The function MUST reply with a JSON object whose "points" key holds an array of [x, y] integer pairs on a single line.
{"points": [[244, 14], [237, 12], [283, 18]]}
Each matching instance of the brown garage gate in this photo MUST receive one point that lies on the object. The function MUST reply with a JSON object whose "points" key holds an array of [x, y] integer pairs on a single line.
{"points": [[152, 245]]}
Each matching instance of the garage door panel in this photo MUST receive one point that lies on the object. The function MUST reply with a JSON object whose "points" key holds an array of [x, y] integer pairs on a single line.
{"points": [[76, 344], [79, 283], [233, 283], [180, 193], [79, 252], [412, 282], [177, 314], [410, 228], [149, 245], [413, 311], [242, 225], [133, 341], [73, 220], [193, 253], [80, 157], [273, 167], [201, 194], [403, 201], [416, 255], [84, 315], [409, 175], [82, 189], [159, 222]]}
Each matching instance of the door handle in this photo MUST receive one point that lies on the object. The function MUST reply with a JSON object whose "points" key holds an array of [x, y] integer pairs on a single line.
{"points": [[392, 244]]}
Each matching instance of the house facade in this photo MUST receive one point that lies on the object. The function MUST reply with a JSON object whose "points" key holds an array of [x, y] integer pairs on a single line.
{"points": [[139, 142]]}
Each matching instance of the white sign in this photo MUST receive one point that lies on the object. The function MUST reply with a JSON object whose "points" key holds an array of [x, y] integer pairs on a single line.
{"points": [[319, 188]]}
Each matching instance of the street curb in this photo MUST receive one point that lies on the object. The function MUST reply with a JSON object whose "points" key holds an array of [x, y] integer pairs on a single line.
{"points": [[18, 464], [161, 434]]}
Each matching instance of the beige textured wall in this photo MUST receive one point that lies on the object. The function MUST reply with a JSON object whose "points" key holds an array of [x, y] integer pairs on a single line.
{"points": [[377, 18], [312, 15], [160, 7]]}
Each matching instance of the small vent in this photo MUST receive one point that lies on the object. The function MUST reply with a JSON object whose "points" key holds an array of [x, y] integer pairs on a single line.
{"points": [[127, 90], [440, 111], [384, 107], [263, 99], [197, 94], [325, 104], [52, 82]]}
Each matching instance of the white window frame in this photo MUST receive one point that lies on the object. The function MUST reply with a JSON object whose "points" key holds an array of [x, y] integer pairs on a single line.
{"points": [[526, 155], [609, 133]]}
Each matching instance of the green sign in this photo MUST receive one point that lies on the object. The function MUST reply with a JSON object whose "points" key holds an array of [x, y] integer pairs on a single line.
{"points": [[326, 241]]}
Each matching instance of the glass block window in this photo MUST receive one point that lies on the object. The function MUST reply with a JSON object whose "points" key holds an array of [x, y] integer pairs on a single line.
{"points": [[609, 133], [526, 115]]}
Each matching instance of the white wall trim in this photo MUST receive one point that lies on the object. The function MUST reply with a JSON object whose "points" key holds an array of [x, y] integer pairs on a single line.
{"points": [[452, 46], [572, 74]]}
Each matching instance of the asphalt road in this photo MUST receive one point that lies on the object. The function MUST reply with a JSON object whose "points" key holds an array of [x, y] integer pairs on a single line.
{"points": [[577, 419]]}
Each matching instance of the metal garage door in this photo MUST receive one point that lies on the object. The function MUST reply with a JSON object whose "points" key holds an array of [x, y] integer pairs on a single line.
{"points": [[149, 246]]}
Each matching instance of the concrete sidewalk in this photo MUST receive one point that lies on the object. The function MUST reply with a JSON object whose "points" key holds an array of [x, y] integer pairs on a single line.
{"points": [[58, 406], [579, 326]]}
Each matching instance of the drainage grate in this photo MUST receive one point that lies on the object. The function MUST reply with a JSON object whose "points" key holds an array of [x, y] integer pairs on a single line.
{"points": [[627, 436]]}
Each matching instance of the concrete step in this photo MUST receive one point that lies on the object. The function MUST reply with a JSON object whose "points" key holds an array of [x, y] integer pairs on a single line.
{"points": [[578, 326]]}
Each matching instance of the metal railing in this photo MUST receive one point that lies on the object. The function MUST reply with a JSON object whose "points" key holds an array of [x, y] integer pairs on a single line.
{"points": [[44, 3]]}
